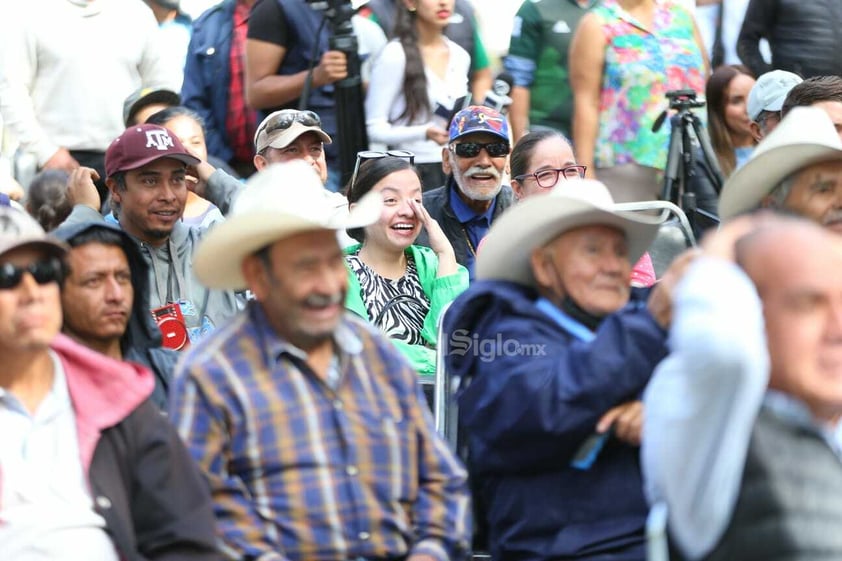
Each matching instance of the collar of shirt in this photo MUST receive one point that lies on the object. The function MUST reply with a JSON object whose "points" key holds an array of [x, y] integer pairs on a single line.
{"points": [[55, 402], [796, 411], [575, 328], [275, 346], [465, 214]]}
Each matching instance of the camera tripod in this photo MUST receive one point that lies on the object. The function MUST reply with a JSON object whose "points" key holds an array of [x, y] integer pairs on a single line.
{"points": [[680, 185], [348, 92]]}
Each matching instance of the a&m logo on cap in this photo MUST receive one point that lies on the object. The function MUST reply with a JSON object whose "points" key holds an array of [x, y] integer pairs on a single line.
{"points": [[159, 139]]}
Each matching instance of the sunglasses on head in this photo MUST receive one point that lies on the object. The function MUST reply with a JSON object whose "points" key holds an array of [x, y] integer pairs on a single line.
{"points": [[44, 271], [284, 120], [472, 149], [376, 155]]}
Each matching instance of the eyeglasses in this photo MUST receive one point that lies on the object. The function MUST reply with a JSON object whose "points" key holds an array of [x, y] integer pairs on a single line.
{"points": [[286, 117], [376, 155], [547, 178], [45, 271], [472, 149], [765, 116]]}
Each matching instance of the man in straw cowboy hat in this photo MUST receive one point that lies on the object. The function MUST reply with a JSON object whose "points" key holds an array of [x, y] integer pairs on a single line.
{"points": [[554, 349], [797, 168], [742, 434], [309, 425]]}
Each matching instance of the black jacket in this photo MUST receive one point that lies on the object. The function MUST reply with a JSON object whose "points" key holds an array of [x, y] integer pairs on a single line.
{"points": [[141, 343], [805, 36], [437, 203]]}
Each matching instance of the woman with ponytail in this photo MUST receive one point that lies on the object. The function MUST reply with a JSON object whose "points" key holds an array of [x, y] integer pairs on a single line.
{"points": [[415, 82]]}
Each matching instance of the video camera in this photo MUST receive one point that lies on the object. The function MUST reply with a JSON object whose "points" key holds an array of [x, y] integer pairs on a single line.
{"points": [[684, 99]]}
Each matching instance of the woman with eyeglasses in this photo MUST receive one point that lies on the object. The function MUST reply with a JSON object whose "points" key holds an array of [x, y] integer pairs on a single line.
{"points": [[415, 82], [400, 287], [542, 158], [538, 160]]}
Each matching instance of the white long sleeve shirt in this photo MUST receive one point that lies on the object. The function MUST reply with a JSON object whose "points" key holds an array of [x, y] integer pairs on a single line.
{"points": [[385, 100], [66, 66]]}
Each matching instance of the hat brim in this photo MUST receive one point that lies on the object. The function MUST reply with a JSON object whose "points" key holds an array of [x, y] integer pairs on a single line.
{"points": [[500, 135], [748, 186], [187, 159], [286, 139], [51, 246], [218, 259], [506, 251]]}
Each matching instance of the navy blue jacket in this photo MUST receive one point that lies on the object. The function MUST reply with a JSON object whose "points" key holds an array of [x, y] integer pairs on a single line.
{"points": [[531, 394], [207, 74]]}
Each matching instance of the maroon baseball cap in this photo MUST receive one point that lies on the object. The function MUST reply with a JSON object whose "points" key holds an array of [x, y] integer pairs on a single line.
{"points": [[143, 144]]}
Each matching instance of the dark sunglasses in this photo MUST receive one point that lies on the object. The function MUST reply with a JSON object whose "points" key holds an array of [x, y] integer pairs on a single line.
{"points": [[472, 149], [547, 178], [284, 120], [376, 155], [45, 271]]}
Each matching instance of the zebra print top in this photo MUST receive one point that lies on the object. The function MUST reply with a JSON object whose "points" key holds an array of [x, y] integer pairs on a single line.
{"points": [[396, 307]]}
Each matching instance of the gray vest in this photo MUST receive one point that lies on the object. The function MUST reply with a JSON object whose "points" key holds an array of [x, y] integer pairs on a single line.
{"points": [[790, 502]]}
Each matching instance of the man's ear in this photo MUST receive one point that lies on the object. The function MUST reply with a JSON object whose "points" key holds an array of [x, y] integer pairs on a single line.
{"points": [[517, 188], [538, 260], [114, 189], [257, 280], [755, 131], [445, 160], [260, 162]]}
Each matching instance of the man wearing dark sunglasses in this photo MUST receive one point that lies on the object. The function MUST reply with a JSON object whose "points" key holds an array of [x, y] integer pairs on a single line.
{"points": [[90, 468], [475, 161]]}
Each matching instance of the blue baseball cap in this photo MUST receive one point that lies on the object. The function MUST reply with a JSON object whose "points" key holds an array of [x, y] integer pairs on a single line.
{"points": [[478, 118]]}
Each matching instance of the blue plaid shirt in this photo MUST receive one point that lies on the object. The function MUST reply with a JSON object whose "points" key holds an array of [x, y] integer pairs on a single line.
{"points": [[301, 469]]}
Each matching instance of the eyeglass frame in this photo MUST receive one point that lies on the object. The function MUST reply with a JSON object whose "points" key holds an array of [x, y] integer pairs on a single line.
{"points": [[15, 273], [558, 173], [366, 155]]}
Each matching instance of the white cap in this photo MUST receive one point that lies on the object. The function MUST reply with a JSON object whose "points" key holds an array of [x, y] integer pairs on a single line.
{"points": [[770, 91]]}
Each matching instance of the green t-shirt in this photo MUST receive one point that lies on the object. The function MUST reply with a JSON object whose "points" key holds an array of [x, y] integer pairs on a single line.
{"points": [[542, 32]]}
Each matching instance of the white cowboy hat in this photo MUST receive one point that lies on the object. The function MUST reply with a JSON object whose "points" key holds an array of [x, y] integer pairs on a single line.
{"points": [[506, 250], [806, 136], [280, 201]]}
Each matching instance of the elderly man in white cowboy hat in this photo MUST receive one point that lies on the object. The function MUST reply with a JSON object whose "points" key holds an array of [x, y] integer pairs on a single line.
{"points": [[554, 351], [797, 168], [308, 424]]}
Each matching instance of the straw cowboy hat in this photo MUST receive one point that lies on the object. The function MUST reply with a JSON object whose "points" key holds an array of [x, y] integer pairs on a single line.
{"points": [[806, 136], [506, 250], [280, 201]]}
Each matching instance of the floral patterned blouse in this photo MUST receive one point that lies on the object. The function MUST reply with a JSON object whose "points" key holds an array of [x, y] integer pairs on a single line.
{"points": [[641, 65]]}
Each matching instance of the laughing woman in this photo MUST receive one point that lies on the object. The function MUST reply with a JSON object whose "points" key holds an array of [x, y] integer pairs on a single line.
{"points": [[400, 287]]}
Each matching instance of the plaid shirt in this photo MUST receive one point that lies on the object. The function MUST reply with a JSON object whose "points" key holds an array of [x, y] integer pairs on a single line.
{"points": [[241, 121], [299, 470]]}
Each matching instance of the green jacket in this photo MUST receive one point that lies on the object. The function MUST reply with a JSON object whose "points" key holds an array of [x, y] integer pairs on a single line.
{"points": [[441, 292]]}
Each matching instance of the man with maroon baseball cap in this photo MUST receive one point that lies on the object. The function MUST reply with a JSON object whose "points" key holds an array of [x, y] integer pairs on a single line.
{"points": [[145, 174]]}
